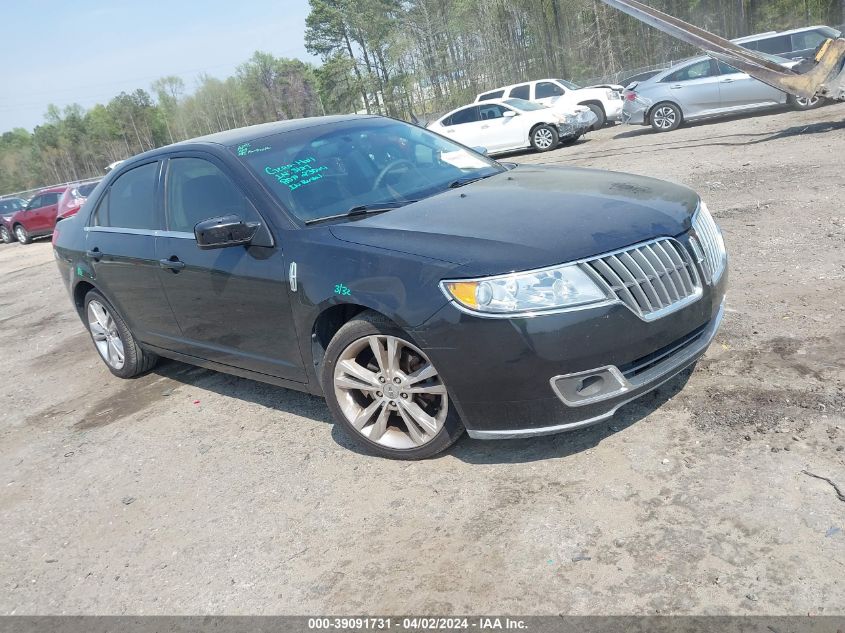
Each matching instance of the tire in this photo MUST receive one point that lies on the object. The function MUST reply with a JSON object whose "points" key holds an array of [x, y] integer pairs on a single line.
{"points": [[800, 103], [6, 235], [600, 115], [112, 330], [377, 412], [543, 138], [21, 234], [665, 117]]}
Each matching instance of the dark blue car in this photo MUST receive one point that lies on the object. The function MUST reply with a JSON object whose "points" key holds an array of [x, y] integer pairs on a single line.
{"points": [[419, 286]]}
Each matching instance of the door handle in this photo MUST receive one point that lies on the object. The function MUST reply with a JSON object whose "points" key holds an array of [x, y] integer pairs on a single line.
{"points": [[484, 127], [174, 264], [675, 87], [450, 131], [94, 254], [727, 81]]}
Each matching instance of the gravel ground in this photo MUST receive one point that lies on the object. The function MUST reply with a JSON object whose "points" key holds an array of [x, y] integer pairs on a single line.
{"points": [[187, 491]]}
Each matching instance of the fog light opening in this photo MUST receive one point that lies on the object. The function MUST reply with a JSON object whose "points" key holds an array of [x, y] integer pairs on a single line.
{"points": [[590, 386]]}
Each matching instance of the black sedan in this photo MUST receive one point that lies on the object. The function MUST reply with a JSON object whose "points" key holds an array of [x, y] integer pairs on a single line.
{"points": [[419, 286]]}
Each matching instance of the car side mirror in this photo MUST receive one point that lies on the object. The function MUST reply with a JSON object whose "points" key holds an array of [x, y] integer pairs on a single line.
{"points": [[508, 114], [222, 232]]}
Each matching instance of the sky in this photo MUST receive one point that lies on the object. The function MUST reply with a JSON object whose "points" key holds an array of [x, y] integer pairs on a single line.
{"points": [[88, 51]]}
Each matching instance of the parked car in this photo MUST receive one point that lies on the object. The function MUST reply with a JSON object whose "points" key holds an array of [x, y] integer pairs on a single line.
{"points": [[795, 44], [8, 207], [73, 198], [606, 103], [351, 257], [38, 217], [702, 88], [513, 124]]}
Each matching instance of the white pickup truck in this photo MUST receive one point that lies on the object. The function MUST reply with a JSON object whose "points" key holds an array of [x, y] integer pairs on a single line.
{"points": [[605, 101]]}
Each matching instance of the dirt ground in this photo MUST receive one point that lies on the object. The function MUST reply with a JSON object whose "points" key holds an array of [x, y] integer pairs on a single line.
{"points": [[188, 491]]}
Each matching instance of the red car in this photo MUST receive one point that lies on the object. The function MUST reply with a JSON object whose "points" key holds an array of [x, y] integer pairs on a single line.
{"points": [[38, 217], [73, 198]]}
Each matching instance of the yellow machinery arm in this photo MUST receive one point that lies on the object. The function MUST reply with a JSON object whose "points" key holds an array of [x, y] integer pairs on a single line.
{"points": [[826, 78]]}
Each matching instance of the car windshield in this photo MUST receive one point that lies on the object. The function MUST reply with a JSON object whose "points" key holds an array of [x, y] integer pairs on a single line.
{"points": [[329, 170], [568, 84], [522, 104], [8, 206]]}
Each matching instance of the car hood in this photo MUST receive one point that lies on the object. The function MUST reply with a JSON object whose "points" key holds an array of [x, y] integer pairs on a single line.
{"points": [[529, 217]]}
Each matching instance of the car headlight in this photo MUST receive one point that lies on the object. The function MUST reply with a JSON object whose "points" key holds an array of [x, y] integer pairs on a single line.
{"points": [[526, 293]]}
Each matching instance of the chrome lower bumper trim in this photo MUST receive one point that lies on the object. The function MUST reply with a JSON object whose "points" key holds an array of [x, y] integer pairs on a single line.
{"points": [[651, 378]]}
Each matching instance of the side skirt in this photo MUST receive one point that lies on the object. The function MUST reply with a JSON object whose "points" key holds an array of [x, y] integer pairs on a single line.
{"points": [[235, 371]]}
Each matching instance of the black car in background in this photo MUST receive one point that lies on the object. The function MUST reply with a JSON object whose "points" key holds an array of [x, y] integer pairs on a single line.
{"points": [[419, 286]]}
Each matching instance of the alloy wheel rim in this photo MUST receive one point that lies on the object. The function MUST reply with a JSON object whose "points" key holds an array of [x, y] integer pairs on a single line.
{"points": [[664, 117], [543, 138], [390, 392], [106, 337], [20, 234], [807, 103], [4, 234]]}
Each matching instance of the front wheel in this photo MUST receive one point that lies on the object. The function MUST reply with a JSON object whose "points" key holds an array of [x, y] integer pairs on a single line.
{"points": [[113, 340], [6, 235], [803, 103], [543, 138], [666, 117], [22, 235], [385, 391]]}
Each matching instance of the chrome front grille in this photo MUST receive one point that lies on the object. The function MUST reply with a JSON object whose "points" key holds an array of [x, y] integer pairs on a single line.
{"points": [[708, 245], [652, 279]]}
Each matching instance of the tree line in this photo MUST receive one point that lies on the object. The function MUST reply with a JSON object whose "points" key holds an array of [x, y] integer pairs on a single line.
{"points": [[402, 58]]}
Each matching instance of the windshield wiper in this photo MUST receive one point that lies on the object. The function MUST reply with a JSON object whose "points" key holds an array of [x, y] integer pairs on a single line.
{"points": [[460, 182], [363, 209]]}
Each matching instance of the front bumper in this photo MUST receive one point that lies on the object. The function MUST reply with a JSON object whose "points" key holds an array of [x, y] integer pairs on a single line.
{"points": [[520, 377]]}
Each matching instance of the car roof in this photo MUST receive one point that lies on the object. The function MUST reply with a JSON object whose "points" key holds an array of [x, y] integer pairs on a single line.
{"points": [[60, 189], [253, 132], [761, 36]]}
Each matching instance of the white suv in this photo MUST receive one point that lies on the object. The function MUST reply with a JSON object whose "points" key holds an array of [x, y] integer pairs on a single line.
{"points": [[605, 102]]}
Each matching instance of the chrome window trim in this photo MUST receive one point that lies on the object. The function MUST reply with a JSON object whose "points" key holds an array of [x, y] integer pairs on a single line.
{"points": [[182, 235]]}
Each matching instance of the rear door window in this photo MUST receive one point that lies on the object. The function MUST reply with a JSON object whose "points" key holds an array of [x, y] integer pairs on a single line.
{"points": [[198, 190], [520, 92], [131, 201], [49, 198], [775, 45], [467, 115]]}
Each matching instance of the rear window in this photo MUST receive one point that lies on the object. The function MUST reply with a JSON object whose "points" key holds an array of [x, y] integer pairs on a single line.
{"points": [[496, 94], [697, 70], [130, 203]]}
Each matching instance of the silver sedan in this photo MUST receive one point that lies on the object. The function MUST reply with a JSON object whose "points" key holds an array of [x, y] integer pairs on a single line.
{"points": [[701, 88]]}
